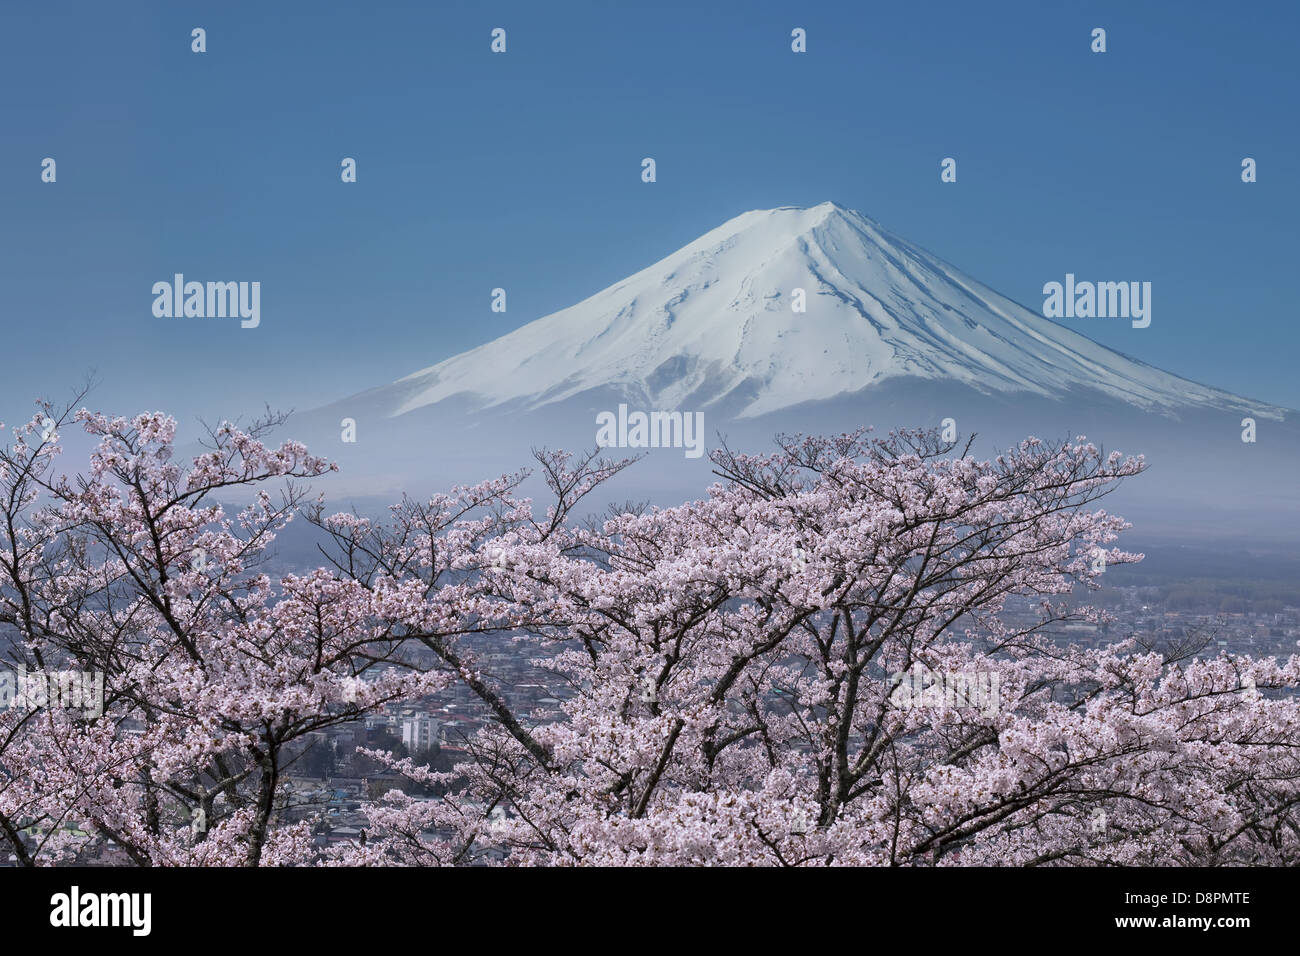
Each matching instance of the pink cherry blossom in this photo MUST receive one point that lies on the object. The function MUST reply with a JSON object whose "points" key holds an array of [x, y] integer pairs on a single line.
{"points": [[730, 671]]}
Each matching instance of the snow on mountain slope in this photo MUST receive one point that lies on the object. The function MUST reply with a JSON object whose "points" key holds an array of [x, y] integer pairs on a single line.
{"points": [[714, 320]]}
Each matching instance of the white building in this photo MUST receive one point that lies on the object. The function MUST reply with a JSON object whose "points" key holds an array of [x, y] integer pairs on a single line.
{"points": [[419, 732]]}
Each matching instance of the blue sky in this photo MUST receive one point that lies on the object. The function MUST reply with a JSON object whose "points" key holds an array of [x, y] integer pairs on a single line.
{"points": [[523, 171]]}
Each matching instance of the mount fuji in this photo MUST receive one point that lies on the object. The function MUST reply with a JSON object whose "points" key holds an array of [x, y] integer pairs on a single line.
{"points": [[712, 324], [889, 336]]}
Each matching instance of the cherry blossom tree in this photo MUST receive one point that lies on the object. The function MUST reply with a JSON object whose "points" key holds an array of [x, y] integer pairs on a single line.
{"points": [[847, 653], [734, 668], [134, 572]]}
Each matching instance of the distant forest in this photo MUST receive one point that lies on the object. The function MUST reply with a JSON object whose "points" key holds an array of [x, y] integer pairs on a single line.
{"points": [[1191, 578]]}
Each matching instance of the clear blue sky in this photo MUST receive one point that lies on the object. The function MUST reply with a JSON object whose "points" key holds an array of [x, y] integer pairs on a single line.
{"points": [[523, 171]]}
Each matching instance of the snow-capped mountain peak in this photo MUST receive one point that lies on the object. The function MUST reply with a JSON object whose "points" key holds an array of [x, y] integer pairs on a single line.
{"points": [[717, 320]]}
